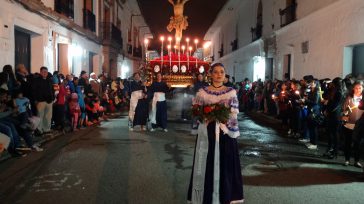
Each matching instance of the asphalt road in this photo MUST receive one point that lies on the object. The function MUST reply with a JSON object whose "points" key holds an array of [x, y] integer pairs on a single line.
{"points": [[109, 164]]}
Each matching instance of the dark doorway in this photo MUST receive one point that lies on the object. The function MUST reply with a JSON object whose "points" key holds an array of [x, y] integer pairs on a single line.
{"points": [[91, 62], [358, 60], [22, 49], [63, 63], [269, 68], [287, 66]]}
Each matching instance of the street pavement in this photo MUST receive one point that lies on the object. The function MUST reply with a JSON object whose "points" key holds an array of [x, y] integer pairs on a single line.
{"points": [[109, 164]]}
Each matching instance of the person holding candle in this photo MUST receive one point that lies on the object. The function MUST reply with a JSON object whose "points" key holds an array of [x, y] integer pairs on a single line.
{"points": [[333, 115], [351, 114], [294, 113], [283, 104]]}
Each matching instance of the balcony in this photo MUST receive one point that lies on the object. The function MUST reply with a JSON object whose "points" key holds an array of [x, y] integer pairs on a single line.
{"points": [[256, 32], [111, 35], [288, 15], [64, 7], [89, 20]]}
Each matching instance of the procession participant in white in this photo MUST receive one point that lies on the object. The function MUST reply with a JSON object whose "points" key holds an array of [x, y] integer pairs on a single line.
{"points": [[158, 115], [136, 88]]}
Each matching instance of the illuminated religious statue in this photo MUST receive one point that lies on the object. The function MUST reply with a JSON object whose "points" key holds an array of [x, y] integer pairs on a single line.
{"points": [[178, 21]]}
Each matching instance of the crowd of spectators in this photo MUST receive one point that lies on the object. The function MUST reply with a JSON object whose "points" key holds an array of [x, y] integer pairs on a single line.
{"points": [[310, 108], [39, 104]]}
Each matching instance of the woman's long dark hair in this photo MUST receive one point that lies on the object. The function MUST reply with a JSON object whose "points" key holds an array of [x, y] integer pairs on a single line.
{"points": [[351, 94], [337, 86], [9, 70]]}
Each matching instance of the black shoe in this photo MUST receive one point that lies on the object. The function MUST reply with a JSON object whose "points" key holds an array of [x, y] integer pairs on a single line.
{"points": [[333, 155], [17, 154], [328, 152]]}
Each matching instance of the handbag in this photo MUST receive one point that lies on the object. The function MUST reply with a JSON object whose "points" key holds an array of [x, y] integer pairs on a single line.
{"points": [[318, 119]]}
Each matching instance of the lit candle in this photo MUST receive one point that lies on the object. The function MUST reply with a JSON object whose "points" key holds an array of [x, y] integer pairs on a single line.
{"points": [[162, 39], [188, 57], [170, 61], [196, 42]]}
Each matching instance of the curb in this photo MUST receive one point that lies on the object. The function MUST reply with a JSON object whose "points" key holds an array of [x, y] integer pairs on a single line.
{"points": [[45, 139], [5, 156]]}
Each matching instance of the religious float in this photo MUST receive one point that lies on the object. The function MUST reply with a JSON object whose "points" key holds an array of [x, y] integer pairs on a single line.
{"points": [[178, 69]]}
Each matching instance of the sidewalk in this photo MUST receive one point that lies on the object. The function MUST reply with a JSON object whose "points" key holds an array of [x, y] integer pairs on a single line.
{"points": [[41, 140]]}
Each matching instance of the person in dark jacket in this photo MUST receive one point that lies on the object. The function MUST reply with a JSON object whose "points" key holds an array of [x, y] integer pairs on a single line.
{"points": [[200, 83], [43, 95], [333, 115], [312, 101]]}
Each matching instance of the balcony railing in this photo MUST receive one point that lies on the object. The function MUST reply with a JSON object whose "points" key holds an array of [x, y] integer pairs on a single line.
{"points": [[89, 20], [64, 7], [288, 15], [256, 32], [111, 34]]}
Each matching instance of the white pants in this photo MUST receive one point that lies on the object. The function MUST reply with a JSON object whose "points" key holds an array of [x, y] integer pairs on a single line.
{"points": [[45, 114]]}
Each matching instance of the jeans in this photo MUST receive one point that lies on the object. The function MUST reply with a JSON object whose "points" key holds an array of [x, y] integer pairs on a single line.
{"points": [[14, 137], [16, 132]]}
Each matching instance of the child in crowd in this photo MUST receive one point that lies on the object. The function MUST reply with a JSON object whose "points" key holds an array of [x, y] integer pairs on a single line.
{"points": [[21, 103], [75, 111]]}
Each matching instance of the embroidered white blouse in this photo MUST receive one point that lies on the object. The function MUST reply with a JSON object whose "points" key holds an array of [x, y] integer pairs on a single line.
{"points": [[227, 97]]}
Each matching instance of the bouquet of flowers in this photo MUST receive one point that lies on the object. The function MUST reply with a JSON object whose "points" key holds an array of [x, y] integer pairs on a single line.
{"points": [[212, 112]]}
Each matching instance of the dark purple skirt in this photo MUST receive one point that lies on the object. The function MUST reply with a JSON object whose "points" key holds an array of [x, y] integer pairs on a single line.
{"points": [[231, 181], [141, 112]]}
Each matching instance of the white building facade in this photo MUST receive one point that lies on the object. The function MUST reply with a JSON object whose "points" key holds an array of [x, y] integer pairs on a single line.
{"points": [[66, 35], [271, 38]]}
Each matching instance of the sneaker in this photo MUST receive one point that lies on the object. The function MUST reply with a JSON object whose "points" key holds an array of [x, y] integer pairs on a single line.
{"points": [[37, 148], [152, 130], [346, 163], [131, 129], [311, 146], [303, 140], [289, 132], [358, 164], [143, 128], [165, 130], [22, 148]]}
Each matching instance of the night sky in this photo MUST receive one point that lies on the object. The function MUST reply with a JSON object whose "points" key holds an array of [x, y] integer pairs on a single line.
{"points": [[201, 14]]}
